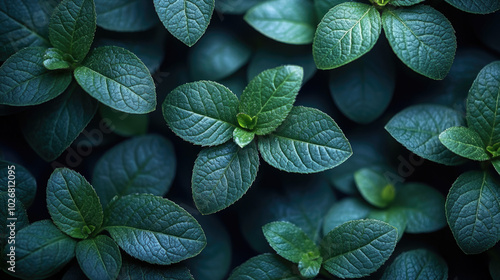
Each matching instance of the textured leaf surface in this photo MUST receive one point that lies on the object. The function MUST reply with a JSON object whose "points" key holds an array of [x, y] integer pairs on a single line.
{"points": [[476, 6], [187, 20], [119, 79], [144, 164], [99, 257], [242, 137], [349, 255], [24, 181], [417, 264], [345, 210], [222, 175], [265, 266], [153, 229], [473, 211], [418, 128], [25, 81], [307, 141], [54, 59], [132, 270], [203, 113], [405, 2], [374, 187], [73, 203], [125, 15], [464, 142], [345, 33], [422, 38]]}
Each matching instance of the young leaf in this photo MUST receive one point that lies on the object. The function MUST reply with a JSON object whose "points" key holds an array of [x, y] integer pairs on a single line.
{"points": [[125, 15], [153, 229], [55, 59], [51, 127], [287, 21], [422, 38], [187, 20], [393, 216], [473, 211], [418, 128], [476, 7], [222, 175], [242, 137], [124, 124], [308, 141], [265, 266], [25, 183], [132, 270], [72, 27], [374, 187], [144, 164], [464, 142], [417, 264], [203, 113], [73, 203], [25, 81], [348, 209], [269, 97], [405, 3], [119, 79], [350, 255], [346, 32], [99, 257]]}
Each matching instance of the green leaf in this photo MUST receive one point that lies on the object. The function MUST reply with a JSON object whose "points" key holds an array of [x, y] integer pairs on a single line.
{"points": [[308, 141], [140, 271], [483, 104], [496, 164], [494, 150], [124, 124], [72, 27], [393, 216], [242, 137], [55, 59], [73, 203], [374, 187], [144, 164], [346, 32], [270, 96], [309, 265], [187, 20], [153, 229], [265, 266], [25, 183], [405, 3], [418, 128], [25, 81], [473, 211], [99, 257], [125, 15], [41, 250], [203, 113], [287, 21], [222, 175], [348, 209], [464, 142], [245, 121], [51, 127], [129, 86], [417, 264], [422, 38], [349, 255], [477, 6]]}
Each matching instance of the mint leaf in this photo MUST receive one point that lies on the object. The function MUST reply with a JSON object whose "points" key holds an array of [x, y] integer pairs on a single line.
{"points": [[134, 271], [405, 3], [25, 183], [418, 128], [125, 15], [374, 187], [417, 264], [270, 95], [464, 142], [147, 164], [496, 164], [51, 127], [349, 255], [55, 59], [99, 257], [287, 21], [187, 20], [393, 216], [476, 7], [73, 203], [242, 137], [129, 86], [308, 141], [222, 175], [348, 209], [346, 32], [72, 27], [203, 113], [124, 124], [265, 266], [309, 265], [422, 38], [245, 121], [473, 211], [25, 81]]}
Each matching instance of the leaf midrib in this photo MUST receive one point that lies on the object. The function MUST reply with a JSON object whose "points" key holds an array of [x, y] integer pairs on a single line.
{"points": [[149, 231]]}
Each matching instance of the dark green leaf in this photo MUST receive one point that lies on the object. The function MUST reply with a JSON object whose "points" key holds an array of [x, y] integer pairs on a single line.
{"points": [[25, 183], [405, 3], [55, 59], [374, 187], [417, 264], [125, 15], [393, 216], [464, 142], [99, 257], [242, 137], [124, 124], [265, 266], [348, 209], [476, 6]]}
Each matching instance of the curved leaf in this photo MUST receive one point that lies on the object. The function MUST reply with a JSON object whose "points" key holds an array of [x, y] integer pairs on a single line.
{"points": [[464, 142], [393, 216], [99, 257], [348, 209], [265, 266], [125, 15], [476, 6], [417, 264], [25, 183], [374, 187]]}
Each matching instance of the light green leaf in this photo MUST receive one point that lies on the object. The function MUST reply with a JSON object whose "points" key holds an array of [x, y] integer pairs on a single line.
{"points": [[422, 38], [265, 266], [245, 121], [418, 128], [72, 27], [349, 255], [51, 127], [494, 150], [393, 216], [203, 113], [119, 79], [374, 187], [99, 257], [73, 203], [125, 15], [476, 6], [133, 270], [55, 59], [25, 81], [25, 183], [473, 211], [270, 96], [348, 209], [496, 164], [405, 3], [346, 32], [187, 20], [287, 21], [124, 124], [464, 142], [309, 265], [417, 264], [308, 141], [242, 137], [153, 229], [222, 175]]}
